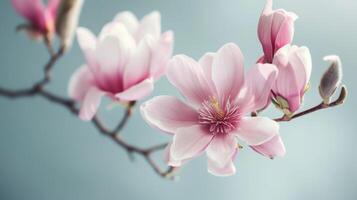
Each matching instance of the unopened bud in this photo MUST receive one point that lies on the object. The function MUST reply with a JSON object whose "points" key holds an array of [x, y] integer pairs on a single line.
{"points": [[67, 20], [331, 79]]}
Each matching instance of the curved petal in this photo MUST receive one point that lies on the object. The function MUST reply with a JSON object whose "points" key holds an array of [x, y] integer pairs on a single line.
{"points": [[90, 103], [52, 7], [256, 130], [227, 170], [187, 76], [294, 64], [206, 63], [221, 150], [87, 42], [285, 33], [258, 84], [138, 67], [161, 54], [189, 142], [228, 71], [149, 25], [129, 20], [168, 113], [169, 159], [137, 91], [79, 83], [109, 56], [264, 31], [273, 147]]}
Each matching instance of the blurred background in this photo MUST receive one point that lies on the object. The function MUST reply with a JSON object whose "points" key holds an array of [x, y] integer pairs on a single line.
{"points": [[48, 154]]}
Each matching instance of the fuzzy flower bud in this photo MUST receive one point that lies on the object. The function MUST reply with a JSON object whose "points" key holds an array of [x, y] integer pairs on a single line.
{"points": [[331, 79], [67, 20]]}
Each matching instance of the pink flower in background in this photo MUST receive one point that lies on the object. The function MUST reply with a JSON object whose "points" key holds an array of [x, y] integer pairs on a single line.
{"points": [[122, 63], [294, 65], [219, 99], [41, 18], [275, 30]]}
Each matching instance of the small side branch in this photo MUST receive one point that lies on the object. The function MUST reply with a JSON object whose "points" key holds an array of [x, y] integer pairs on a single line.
{"points": [[339, 101]]}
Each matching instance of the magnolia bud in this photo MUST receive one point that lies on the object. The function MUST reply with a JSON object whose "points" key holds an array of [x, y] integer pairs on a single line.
{"points": [[331, 79], [67, 20]]}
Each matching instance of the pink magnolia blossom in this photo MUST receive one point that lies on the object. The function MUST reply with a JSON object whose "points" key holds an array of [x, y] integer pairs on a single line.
{"points": [[219, 98], [294, 65], [122, 63], [41, 18], [275, 30]]}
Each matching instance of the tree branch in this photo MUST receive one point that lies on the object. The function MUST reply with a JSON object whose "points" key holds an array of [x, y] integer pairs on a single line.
{"points": [[340, 100]]}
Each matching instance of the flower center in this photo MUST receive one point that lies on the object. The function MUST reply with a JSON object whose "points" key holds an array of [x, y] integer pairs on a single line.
{"points": [[219, 119]]}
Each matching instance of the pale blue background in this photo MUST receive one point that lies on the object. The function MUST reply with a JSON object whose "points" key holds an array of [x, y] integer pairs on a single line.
{"points": [[48, 154]]}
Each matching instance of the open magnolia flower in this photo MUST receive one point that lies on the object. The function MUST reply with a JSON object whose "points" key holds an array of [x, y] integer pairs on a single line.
{"points": [[275, 30], [122, 63], [219, 100], [41, 18], [294, 65]]}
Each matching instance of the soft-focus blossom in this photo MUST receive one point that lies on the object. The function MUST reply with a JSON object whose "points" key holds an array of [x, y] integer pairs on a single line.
{"points": [[122, 63], [67, 21], [294, 65], [275, 30], [41, 18], [331, 79], [215, 114]]}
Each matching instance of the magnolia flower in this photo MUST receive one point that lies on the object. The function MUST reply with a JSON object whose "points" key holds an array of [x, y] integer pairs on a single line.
{"points": [[218, 100], [122, 63], [294, 65], [275, 30], [41, 18]]}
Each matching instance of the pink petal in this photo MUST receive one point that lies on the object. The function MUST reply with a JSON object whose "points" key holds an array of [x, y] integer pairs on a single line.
{"points": [[80, 82], [90, 103], [168, 114], [221, 150], [169, 159], [149, 25], [138, 67], [161, 54], [119, 30], [187, 76], [294, 64], [206, 63], [264, 31], [258, 84], [32, 10], [87, 42], [257, 130], [189, 142], [52, 7], [109, 55], [138, 91], [129, 20], [285, 33], [273, 147], [228, 71], [228, 170]]}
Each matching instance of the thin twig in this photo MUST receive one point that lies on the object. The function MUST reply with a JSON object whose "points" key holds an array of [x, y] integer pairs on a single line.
{"points": [[340, 100]]}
